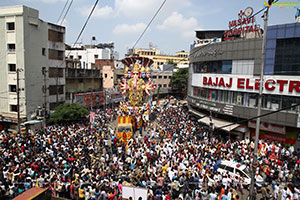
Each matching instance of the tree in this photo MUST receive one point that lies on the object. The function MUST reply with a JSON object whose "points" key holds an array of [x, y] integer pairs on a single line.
{"points": [[68, 112], [179, 81]]}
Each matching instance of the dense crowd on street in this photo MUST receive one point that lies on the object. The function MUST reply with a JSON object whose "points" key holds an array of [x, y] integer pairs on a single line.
{"points": [[174, 158]]}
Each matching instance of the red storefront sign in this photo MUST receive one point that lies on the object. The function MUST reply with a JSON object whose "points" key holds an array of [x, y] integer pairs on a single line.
{"points": [[248, 83], [275, 128]]}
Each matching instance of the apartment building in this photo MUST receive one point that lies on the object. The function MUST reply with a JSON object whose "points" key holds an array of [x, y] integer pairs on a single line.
{"points": [[27, 44]]}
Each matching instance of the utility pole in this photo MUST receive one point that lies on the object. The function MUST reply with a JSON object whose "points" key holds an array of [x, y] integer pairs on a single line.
{"points": [[105, 99], [18, 99], [157, 97], [56, 85], [44, 89], [92, 99], [254, 164]]}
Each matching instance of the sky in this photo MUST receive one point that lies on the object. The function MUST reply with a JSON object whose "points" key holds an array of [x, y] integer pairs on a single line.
{"points": [[172, 30]]}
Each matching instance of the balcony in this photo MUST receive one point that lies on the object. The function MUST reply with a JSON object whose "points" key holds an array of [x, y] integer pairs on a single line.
{"points": [[82, 73]]}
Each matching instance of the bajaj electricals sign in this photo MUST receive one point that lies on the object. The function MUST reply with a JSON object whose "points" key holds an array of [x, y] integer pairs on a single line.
{"points": [[272, 84]]}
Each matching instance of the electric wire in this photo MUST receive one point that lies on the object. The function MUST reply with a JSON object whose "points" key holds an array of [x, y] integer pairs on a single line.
{"points": [[66, 12], [62, 11], [149, 23], [82, 29], [260, 116]]}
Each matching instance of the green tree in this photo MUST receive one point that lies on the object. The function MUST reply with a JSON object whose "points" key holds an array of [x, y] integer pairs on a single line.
{"points": [[179, 81], [68, 112]]}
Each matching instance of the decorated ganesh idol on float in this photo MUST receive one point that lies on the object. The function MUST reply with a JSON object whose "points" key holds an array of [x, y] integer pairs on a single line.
{"points": [[137, 86]]}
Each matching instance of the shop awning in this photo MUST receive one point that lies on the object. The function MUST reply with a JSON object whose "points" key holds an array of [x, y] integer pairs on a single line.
{"points": [[196, 113], [217, 123]]}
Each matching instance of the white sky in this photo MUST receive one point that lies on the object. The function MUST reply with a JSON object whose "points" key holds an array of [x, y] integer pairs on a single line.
{"points": [[122, 21]]}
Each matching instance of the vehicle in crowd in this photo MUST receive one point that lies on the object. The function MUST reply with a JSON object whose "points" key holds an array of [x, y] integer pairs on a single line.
{"points": [[125, 128], [235, 171]]}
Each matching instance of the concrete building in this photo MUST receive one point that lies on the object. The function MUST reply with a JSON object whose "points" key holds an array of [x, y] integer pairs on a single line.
{"points": [[81, 80], [107, 67], [181, 57], [28, 43], [87, 54], [224, 82], [162, 80]]}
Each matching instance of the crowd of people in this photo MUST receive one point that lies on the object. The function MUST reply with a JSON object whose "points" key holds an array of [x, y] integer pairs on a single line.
{"points": [[175, 157]]}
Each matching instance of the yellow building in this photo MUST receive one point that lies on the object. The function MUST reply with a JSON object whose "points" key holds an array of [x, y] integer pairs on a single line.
{"points": [[159, 59]]}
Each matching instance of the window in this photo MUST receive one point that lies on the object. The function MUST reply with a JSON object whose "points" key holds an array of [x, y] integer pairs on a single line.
{"points": [[287, 59], [56, 72], [165, 77], [79, 57], [230, 169], [13, 108], [43, 51], [71, 57], [105, 75], [11, 47], [242, 174], [12, 88], [290, 101], [165, 85], [10, 26], [55, 54], [53, 89], [55, 36], [111, 77], [154, 77], [272, 102], [54, 105], [252, 100], [12, 67], [95, 56], [170, 77], [219, 67], [159, 77]]}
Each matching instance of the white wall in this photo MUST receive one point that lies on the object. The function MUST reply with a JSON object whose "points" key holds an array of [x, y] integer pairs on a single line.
{"points": [[88, 56]]}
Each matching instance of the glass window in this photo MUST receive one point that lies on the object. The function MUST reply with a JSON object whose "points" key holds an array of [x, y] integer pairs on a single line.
{"points": [[13, 108], [230, 169], [252, 100], [239, 98], [226, 96], [290, 101], [11, 47], [271, 43], [12, 67], [10, 26], [226, 67], [12, 88], [287, 57], [204, 92], [272, 102], [212, 94]]}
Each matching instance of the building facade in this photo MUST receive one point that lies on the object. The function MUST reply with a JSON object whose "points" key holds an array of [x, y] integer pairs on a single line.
{"points": [[28, 44], [81, 80], [88, 54], [224, 84], [181, 58]]}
